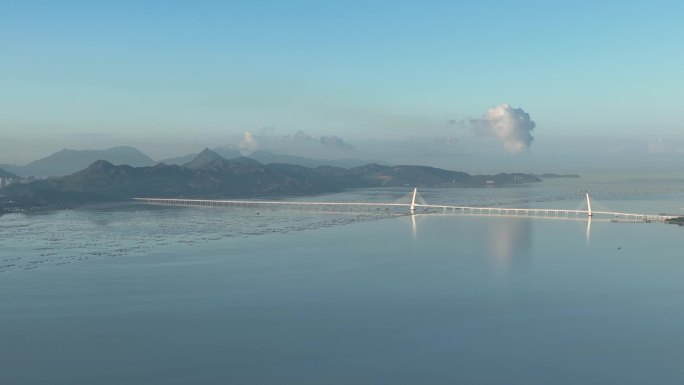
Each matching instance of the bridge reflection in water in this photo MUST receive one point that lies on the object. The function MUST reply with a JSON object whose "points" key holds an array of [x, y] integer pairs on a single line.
{"points": [[413, 207]]}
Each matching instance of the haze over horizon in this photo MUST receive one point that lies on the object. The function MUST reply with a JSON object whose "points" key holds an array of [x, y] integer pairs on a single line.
{"points": [[483, 86]]}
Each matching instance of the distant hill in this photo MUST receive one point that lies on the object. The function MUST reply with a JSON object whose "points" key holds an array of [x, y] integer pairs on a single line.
{"points": [[549, 175], [211, 176], [179, 160], [204, 159], [67, 161], [266, 157], [7, 174]]}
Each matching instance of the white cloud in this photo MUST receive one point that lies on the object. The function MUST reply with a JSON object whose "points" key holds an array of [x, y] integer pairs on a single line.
{"points": [[248, 144], [302, 136], [301, 140], [512, 126], [335, 142]]}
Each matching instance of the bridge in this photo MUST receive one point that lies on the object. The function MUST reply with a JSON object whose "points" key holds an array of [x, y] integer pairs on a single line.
{"points": [[412, 207]]}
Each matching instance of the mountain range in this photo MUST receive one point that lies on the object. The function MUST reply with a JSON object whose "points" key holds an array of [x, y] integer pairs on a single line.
{"points": [[7, 174], [67, 161], [265, 157], [209, 175]]}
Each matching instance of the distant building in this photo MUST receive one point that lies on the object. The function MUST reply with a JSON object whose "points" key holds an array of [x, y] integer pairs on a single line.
{"points": [[7, 181]]}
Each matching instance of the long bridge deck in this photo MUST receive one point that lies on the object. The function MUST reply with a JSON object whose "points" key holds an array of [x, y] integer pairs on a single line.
{"points": [[410, 208]]}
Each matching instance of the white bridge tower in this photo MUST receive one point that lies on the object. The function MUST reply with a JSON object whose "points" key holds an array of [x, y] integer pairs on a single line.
{"points": [[589, 213]]}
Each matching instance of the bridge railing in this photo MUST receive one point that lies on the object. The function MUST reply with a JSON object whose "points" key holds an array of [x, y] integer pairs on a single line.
{"points": [[406, 208], [281, 205]]}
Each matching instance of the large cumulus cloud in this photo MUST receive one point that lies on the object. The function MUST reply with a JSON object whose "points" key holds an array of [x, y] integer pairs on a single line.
{"points": [[512, 126]]}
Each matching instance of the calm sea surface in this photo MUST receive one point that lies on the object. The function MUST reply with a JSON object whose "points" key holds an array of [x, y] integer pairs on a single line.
{"points": [[134, 294]]}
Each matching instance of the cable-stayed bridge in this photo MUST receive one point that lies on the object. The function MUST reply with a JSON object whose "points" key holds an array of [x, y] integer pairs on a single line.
{"points": [[413, 205]]}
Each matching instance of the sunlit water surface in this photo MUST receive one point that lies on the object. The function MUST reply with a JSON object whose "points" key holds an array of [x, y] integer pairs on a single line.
{"points": [[133, 294]]}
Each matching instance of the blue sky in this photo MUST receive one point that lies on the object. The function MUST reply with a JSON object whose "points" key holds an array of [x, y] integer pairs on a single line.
{"points": [[170, 77]]}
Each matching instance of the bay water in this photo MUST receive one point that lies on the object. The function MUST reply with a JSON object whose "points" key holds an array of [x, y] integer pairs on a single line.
{"points": [[135, 294]]}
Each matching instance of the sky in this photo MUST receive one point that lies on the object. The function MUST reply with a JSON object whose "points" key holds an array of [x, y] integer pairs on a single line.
{"points": [[474, 85]]}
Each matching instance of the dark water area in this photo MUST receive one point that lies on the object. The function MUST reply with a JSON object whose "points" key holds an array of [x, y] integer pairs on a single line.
{"points": [[220, 296]]}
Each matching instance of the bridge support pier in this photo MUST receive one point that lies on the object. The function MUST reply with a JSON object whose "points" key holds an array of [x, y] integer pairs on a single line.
{"points": [[589, 213], [412, 209]]}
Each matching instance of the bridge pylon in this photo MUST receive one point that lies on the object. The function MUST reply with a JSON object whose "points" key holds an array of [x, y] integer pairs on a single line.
{"points": [[412, 208], [589, 212]]}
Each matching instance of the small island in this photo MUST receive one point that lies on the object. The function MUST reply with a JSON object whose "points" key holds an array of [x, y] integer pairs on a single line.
{"points": [[548, 175]]}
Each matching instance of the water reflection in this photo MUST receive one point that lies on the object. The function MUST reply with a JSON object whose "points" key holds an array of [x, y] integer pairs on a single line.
{"points": [[588, 230], [504, 241], [508, 241]]}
